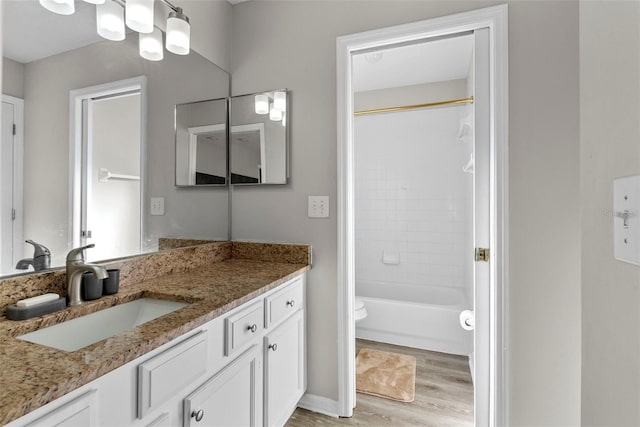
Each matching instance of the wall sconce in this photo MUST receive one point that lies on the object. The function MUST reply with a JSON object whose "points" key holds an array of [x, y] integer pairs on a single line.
{"points": [[262, 104], [61, 7], [178, 32], [151, 45], [275, 114], [139, 15], [280, 101], [110, 21]]}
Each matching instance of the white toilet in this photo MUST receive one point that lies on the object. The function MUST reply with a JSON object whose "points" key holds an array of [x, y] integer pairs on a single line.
{"points": [[360, 309]]}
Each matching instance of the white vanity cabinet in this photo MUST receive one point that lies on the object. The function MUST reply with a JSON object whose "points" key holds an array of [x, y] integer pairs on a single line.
{"points": [[285, 356], [232, 397], [79, 412], [244, 368]]}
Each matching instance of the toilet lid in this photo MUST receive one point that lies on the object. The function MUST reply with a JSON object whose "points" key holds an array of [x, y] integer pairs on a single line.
{"points": [[359, 303]]}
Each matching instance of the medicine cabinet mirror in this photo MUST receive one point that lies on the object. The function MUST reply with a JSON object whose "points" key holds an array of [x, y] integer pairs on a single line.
{"points": [[259, 138], [201, 143]]}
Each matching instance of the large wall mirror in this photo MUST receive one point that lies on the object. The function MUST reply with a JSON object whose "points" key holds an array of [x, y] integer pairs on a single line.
{"points": [[259, 138], [37, 82]]}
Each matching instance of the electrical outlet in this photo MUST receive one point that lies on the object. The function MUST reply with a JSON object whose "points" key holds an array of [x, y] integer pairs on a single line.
{"points": [[157, 206], [318, 207]]}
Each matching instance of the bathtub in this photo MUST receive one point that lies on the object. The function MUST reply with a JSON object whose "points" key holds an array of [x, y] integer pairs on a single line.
{"points": [[415, 316]]}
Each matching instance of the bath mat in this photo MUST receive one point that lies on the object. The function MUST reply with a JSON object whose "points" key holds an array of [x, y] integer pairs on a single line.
{"points": [[388, 375]]}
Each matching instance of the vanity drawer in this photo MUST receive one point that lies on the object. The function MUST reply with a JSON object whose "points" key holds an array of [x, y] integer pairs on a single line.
{"points": [[243, 327], [164, 375], [283, 303]]}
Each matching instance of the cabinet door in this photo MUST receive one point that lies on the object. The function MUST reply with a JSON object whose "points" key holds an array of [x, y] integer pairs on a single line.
{"points": [[285, 371], [232, 397], [80, 412]]}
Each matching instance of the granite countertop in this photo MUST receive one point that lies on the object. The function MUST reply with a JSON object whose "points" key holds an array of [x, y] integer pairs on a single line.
{"points": [[33, 375]]}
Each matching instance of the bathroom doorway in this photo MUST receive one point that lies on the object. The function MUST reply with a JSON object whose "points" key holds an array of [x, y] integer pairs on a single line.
{"points": [[11, 179], [483, 120], [108, 152]]}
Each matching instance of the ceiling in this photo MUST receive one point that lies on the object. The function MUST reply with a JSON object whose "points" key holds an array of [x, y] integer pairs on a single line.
{"points": [[31, 32], [420, 63]]}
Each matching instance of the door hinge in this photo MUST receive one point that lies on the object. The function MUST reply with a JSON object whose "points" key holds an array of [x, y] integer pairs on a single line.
{"points": [[482, 254], [13, 214], [86, 233], [14, 128]]}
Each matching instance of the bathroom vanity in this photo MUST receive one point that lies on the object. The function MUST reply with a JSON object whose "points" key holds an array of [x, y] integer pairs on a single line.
{"points": [[234, 355]]}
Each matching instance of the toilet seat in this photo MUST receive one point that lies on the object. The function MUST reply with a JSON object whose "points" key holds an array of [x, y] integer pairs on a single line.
{"points": [[360, 310]]}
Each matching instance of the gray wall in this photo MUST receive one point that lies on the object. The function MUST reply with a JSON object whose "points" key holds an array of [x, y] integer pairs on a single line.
{"points": [[610, 130], [292, 44], [13, 75]]}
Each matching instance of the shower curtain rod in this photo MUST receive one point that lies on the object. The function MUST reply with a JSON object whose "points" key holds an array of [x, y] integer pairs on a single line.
{"points": [[412, 107]]}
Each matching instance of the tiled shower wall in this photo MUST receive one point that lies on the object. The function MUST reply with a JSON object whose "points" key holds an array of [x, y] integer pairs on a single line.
{"points": [[413, 201]]}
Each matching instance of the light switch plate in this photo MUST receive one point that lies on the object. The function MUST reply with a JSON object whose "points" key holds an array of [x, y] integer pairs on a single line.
{"points": [[318, 207], [157, 206], [626, 223]]}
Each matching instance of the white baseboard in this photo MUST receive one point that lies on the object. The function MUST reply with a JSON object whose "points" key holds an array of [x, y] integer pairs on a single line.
{"points": [[319, 404]]}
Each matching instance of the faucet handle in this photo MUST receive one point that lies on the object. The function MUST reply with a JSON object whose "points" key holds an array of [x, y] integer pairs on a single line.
{"points": [[77, 254]]}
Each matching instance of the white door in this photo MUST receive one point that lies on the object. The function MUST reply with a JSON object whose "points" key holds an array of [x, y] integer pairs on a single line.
{"points": [[481, 201], [11, 248], [111, 204]]}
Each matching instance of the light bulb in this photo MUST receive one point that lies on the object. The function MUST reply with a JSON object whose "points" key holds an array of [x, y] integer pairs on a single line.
{"points": [[61, 7], [139, 15], [262, 104], [178, 32], [280, 101], [275, 115], [151, 45], [110, 21]]}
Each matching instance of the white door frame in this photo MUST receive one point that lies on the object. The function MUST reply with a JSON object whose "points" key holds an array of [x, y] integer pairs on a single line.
{"points": [[17, 243], [495, 19], [76, 97]]}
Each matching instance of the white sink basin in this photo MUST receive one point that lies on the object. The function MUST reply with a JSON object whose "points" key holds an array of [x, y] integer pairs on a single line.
{"points": [[86, 330]]}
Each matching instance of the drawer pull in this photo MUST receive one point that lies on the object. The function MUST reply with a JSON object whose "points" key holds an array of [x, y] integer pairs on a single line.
{"points": [[253, 328], [198, 415], [291, 303], [273, 347]]}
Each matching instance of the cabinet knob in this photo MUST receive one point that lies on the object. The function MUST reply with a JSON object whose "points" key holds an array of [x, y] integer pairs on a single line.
{"points": [[291, 303], [198, 415], [253, 328], [273, 347]]}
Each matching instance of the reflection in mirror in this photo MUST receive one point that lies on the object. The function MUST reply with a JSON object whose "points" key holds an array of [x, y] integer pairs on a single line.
{"points": [[201, 143], [43, 83], [259, 138]]}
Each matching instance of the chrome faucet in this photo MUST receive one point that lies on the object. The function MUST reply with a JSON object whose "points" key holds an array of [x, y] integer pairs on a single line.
{"points": [[41, 258], [75, 267]]}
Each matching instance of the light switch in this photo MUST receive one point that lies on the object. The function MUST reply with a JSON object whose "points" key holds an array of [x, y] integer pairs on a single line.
{"points": [[626, 223], [157, 206], [318, 207]]}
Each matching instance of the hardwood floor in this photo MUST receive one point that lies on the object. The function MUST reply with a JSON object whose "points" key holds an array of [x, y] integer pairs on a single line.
{"points": [[444, 396]]}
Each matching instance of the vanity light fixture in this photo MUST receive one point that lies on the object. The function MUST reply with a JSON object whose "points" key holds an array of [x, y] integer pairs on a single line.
{"points": [[110, 21], [111, 16], [280, 101], [178, 32], [275, 114], [139, 15], [150, 45], [61, 7], [262, 104]]}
